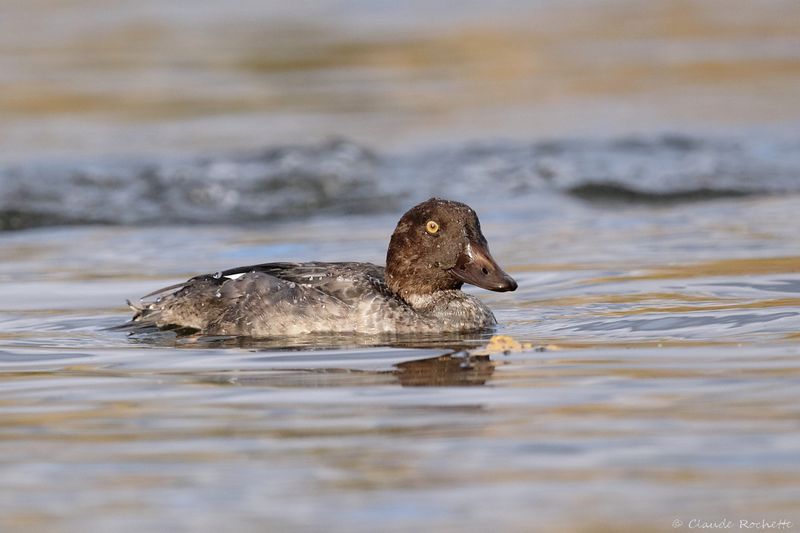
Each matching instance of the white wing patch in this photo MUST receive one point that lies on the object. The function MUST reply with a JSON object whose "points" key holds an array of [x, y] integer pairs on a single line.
{"points": [[236, 276]]}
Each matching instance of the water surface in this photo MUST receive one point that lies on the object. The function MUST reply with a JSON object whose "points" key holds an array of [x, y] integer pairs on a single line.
{"points": [[666, 386], [636, 167]]}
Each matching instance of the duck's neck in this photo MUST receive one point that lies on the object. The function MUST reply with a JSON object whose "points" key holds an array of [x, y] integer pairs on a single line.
{"points": [[410, 276], [411, 288]]}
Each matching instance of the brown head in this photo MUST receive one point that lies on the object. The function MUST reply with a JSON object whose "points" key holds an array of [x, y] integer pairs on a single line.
{"points": [[438, 245]]}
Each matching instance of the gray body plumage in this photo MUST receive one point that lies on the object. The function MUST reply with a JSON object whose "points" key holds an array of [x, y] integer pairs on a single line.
{"points": [[436, 247], [276, 299]]}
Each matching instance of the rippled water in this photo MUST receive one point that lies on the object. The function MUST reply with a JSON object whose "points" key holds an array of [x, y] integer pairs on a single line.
{"points": [[667, 385], [636, 167]]}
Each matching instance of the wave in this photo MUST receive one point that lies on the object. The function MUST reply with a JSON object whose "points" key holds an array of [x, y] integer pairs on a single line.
{"points": [[340, 177]]}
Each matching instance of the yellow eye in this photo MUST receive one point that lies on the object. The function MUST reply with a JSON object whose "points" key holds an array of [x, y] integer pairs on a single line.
{"points": [[431, 227]]}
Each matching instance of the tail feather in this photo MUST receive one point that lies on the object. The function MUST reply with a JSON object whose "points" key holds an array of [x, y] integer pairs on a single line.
{"points": [[144, 318], [140, 312]]}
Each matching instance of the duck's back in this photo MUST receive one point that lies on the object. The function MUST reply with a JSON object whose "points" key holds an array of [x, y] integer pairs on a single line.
{"points": [[275, 299]]}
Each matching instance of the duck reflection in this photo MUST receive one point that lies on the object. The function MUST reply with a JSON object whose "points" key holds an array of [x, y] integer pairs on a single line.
{"points": [[446, 371], [447, 342], [457, 364]]}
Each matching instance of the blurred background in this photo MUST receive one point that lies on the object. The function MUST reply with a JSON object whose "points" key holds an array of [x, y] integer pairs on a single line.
{"points": [[144, 76]]}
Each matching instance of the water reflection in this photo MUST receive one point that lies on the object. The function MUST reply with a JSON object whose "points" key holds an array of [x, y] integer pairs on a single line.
{"points": [[188, 339], [457, 367], [205, 76], [671, 391], [446, 371]]}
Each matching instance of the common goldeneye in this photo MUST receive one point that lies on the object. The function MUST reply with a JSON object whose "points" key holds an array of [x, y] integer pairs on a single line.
{"points": [[436, 247]]}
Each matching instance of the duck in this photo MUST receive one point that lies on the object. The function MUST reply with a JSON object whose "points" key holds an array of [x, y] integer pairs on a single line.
{"points": [[436, 247]]}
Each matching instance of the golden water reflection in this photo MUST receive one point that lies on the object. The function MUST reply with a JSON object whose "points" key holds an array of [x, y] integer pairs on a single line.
{"points": [[396, 76]]}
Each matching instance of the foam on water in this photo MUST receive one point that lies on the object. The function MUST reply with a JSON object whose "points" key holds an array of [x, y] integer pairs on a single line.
{"points": [[341, 177]]}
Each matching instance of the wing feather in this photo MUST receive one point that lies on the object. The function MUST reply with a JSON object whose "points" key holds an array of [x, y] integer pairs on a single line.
{"points": [[267, 299]]}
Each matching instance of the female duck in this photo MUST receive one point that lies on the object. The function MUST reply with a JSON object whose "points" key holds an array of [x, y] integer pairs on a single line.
{"points": [[436, 247]]}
